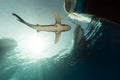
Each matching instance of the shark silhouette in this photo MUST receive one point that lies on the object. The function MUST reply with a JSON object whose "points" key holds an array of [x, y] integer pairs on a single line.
{"points": [[57, 27]]}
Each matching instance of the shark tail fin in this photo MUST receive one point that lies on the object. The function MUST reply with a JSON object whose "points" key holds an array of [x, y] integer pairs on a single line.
{"points": [[19, 18]]}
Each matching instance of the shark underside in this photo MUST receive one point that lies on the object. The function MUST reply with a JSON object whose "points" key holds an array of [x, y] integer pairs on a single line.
{"points": [[57, 27]]}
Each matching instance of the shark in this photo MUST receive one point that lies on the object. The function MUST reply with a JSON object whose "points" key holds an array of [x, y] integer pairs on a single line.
{"points": [[58, 27]]}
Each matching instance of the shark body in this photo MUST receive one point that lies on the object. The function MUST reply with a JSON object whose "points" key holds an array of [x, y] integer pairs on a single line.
{"points": [[57, 27]]}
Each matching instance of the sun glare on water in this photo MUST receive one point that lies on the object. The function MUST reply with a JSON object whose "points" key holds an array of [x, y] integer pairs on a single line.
{"points": [[35, 44], [39, 47], [35, 47]]}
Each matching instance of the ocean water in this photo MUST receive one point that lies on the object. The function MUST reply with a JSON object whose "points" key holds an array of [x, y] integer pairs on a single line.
{"points": [[100, 62], [90, 51]]}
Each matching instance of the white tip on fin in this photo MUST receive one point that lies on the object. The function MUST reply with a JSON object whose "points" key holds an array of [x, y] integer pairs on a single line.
{"points": [[57, 36]]}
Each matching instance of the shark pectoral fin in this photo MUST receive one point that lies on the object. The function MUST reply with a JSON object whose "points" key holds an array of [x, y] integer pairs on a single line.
{"points": [[57, 36], [38, 30], [57, 18]]}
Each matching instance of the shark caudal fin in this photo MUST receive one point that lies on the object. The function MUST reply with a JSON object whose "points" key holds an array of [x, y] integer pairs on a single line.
{"points": [[19, 18], [23, 21]]}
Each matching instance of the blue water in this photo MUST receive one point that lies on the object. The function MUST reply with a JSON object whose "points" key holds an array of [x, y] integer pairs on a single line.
{"points": [[96, 59], [101, 63]]}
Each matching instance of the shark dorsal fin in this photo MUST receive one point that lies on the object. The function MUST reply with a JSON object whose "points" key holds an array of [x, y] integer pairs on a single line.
{"points": [[57, 18], [57, 36]]}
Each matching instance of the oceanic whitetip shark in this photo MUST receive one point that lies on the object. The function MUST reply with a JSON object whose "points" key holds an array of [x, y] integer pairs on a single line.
{"points": [[57, 27]]}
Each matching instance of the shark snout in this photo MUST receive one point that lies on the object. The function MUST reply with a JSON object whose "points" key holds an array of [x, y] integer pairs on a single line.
{"points": [[68, 27]]}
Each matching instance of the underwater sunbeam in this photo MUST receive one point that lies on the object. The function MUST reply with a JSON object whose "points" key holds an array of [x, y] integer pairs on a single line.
{"points": [[34, 47], [39, 47]]}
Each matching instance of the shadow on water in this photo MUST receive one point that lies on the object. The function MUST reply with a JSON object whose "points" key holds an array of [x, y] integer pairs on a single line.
{"points": [[96, 57], [6, 46]]}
